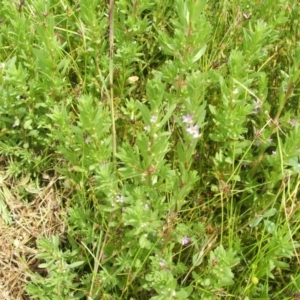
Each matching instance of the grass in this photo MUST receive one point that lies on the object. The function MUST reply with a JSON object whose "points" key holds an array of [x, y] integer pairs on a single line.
{"points": [[152, 153]]}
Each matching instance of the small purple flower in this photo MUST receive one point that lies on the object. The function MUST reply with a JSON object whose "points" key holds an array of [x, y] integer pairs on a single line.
{"points": [[255, 110], [87, 139], [185, 240], [293, 122], [257, 106], [244, 164], [194, 131], [120, 199], [162, 264], [16, 123], [188, 119], [153, 119]]}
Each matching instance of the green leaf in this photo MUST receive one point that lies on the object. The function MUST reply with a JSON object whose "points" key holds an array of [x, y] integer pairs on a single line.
{"points": [[75, 264], [281, 264], [270, 226], [200, 53], [270, 213], [256, 221], [27, 124], [212, 109], [196, 260], [145, 112], [144, 242], [168, 115]]}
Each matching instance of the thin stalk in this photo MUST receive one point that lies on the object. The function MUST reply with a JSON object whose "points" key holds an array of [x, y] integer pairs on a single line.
{"points": [[111, 80]]}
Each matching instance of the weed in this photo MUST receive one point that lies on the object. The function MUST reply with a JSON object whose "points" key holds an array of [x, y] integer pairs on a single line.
{"points": [[171, 129]]}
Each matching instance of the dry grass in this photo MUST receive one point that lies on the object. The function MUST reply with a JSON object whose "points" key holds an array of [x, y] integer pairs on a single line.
{"points": [[27, 213]]}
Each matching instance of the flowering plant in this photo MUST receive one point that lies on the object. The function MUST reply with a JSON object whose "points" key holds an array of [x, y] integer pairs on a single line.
{"points": [[173, 130]]}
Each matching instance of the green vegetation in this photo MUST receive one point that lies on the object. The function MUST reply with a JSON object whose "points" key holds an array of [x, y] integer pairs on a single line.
{"points": [[169, 170]]}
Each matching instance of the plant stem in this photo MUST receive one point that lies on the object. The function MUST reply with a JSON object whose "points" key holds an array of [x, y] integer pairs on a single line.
{"points": [[111, 73]]}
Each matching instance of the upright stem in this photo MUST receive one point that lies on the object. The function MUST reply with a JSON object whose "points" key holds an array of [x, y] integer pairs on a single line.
{"points": [[111, 79]]}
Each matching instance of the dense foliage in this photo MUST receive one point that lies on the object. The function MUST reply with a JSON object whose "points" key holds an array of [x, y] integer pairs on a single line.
{"points": [[200, 199]]}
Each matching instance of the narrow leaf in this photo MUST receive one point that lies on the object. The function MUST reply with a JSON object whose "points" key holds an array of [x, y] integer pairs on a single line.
{"points": [[168, 115], [199, 54]]}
